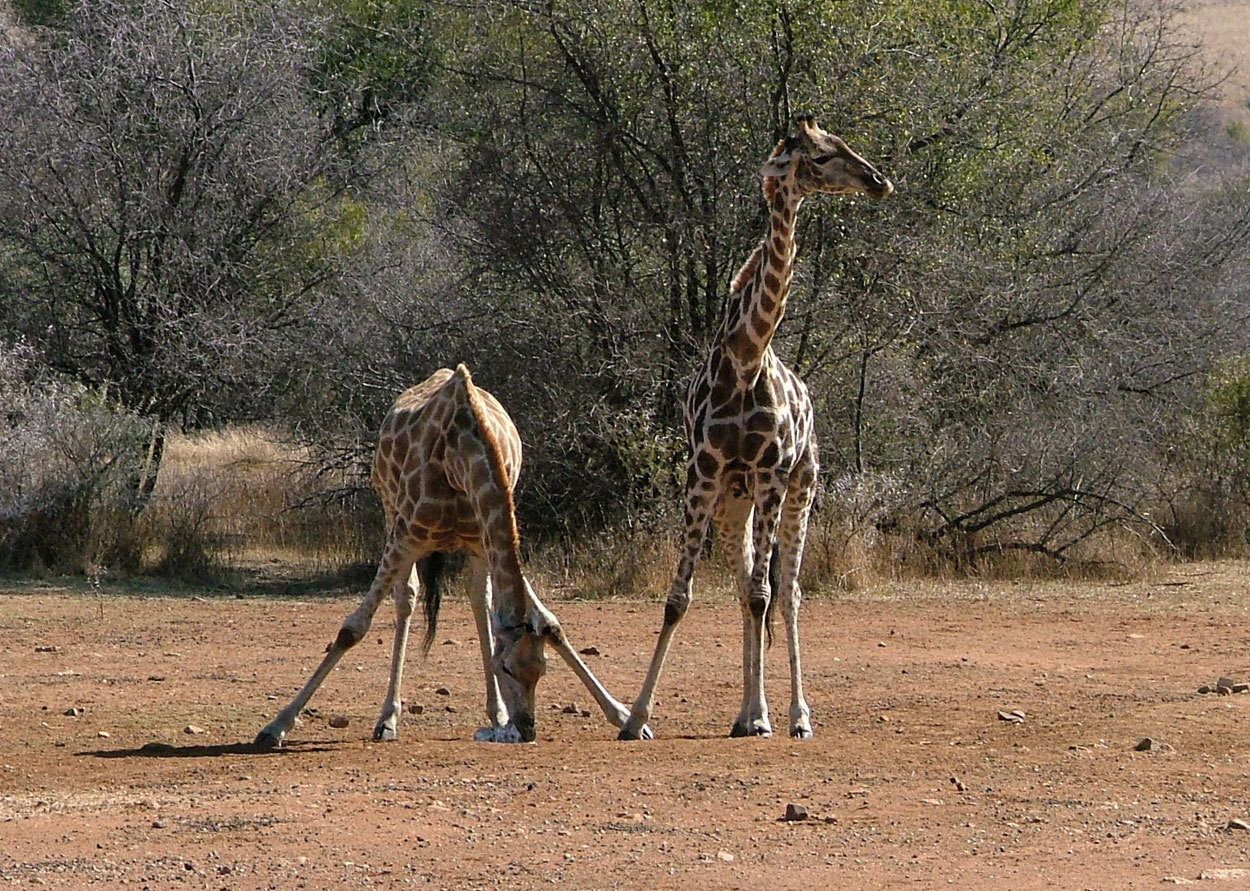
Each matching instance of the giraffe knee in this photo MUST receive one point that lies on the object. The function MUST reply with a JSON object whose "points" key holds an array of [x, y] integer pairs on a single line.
{"points": [[674, 609], [348, 637], [757, 603]]}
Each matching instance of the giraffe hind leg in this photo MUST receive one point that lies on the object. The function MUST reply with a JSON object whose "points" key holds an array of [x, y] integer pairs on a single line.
{"points": [[756, 598], [791, 539], [404, 595]]}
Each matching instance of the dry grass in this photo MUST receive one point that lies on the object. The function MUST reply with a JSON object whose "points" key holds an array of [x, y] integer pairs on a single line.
{"points": [[246, 495]]}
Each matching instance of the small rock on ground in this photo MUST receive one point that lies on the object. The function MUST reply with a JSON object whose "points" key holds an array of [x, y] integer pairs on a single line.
{"points": [[795, 813], [338, 722]]}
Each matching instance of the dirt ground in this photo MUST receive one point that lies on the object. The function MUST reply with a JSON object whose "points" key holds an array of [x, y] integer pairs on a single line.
{"points": [[913, 777]]}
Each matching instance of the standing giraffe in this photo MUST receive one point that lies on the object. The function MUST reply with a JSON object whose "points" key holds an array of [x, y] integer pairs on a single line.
{"points": [[753, 459], [447, 459]]}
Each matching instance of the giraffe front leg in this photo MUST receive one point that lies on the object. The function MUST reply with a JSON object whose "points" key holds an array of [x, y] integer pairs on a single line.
{"points": [[354, 627], [547, 626], [698, 513], [481, 599]]}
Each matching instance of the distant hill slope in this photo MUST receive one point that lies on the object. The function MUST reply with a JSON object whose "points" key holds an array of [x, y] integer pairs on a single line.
{"points": [[1224, 28]]}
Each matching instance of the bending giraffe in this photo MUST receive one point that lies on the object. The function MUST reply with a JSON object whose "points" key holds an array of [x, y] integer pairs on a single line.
{"points": [[447, 460], [753, 460]]}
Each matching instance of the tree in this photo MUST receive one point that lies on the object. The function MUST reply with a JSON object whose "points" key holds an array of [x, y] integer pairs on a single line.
{"points": [[994, 349], [172, 194]]}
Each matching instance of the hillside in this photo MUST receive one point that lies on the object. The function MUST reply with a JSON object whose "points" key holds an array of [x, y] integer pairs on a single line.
{"points": [[1224, 29]]}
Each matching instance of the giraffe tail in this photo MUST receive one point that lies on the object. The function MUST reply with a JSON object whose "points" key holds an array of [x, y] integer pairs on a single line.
{"points": [[430, 570], [774, 579]]}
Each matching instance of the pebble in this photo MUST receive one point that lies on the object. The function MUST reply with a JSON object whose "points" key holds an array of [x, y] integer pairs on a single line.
{"points": [[73, 711], [338, 722], [415, 708], [1225, 681], [570, 709], [1145, 744], [1015, 716], [589, 651], [193, 729], [443, 691], [795, 813], [1237, 823], [724, 857]]}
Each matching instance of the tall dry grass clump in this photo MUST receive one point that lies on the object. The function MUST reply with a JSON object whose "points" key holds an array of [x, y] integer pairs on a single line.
{"points": [[246, 495]]}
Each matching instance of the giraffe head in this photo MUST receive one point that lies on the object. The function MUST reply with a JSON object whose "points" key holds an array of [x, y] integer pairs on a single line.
{"points": [[520, 661], [816, 161]]}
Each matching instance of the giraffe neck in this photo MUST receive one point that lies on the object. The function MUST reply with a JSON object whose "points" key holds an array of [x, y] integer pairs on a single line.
{"points": [[486, 483], [758, 298], [493, 506]]}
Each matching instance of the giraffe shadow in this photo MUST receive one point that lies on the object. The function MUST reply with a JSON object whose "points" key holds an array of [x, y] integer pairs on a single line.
{"points": [[165, 750]]}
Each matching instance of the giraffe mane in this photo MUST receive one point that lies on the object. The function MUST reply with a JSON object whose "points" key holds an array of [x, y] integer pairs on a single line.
{"points": [[747, 272], [493, 454], [770, 184]]}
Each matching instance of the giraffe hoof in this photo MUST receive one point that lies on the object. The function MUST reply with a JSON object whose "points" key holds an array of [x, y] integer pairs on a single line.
{"points": [[382, 733], [757, 728], [505, 734], [267, 740], [801, 732], [627, 734]]}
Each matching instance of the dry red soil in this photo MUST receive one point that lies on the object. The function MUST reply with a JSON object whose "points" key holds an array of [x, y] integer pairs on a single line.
{"points": [[913, 777]]}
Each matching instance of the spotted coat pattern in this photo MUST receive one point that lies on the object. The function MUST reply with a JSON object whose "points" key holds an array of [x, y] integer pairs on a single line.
{"points": [[447, 459], [753, 459]]}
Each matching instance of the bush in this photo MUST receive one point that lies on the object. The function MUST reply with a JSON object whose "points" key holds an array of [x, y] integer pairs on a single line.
{"points": [[68, 460]]}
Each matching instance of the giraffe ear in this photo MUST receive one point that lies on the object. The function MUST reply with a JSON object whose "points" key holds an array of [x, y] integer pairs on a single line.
{"points": [[777, 165]]}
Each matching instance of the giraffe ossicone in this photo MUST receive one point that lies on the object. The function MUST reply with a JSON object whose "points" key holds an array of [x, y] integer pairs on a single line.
{"points": [[753, 460], [447, 459]]}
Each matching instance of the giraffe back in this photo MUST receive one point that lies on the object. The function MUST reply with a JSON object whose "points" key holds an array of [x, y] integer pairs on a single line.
{"points": [[419, 470]]}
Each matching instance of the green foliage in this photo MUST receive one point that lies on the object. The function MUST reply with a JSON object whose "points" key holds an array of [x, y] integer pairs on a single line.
{"points": [[350, 193], [373, 61], [34, 13], [608, 176], [1226, 400]]}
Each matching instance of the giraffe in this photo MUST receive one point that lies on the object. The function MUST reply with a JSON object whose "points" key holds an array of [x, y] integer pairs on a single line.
{"points": [[753, 460], [447, 459]]}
